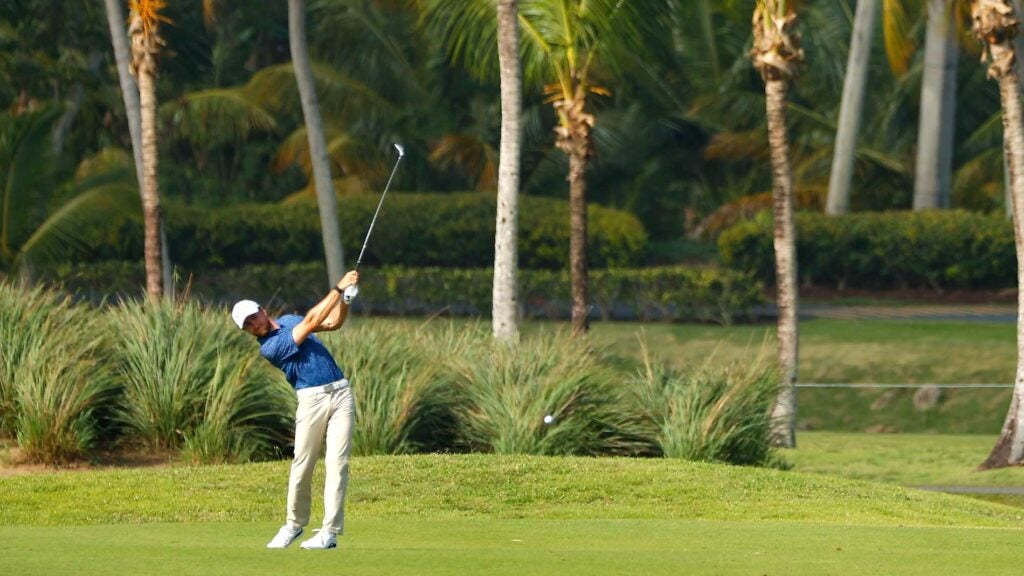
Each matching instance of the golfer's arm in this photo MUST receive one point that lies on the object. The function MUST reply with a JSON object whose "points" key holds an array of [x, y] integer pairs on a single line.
{"points": [[316, 316], [335, 318]]}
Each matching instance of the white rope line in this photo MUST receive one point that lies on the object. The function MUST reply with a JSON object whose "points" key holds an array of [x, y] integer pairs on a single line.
{"points": [[851, 385]]}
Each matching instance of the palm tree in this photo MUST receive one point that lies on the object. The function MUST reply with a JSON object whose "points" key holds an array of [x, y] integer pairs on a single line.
{"points": [[898, 49], [505, 297], [133, 112], [144, 32], [933, 173], [777, 56], [567, 46], [317, 146], [851, 107], [995, 25]]}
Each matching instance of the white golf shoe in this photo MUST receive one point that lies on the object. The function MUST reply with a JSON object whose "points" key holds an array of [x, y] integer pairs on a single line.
{"points": [[323, 540], [284, 537]]}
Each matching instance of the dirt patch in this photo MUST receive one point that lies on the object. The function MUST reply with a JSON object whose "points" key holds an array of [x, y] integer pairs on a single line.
{"points": [[14, 463]]}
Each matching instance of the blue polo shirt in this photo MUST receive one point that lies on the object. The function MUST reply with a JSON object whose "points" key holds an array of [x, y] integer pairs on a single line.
{"points": [[304, 366]]}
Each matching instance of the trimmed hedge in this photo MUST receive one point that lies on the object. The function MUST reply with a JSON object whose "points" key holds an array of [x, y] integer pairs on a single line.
{"points": [[448, 230], [930, 249], [672, 293]]}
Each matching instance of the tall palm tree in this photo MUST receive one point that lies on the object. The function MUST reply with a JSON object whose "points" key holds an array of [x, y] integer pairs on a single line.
{"points": [[933, 172], [898, 47], [144, 32], [995, 25], [326, 200], [567, 46], [777, 56], [505, 292], [133, 112]]}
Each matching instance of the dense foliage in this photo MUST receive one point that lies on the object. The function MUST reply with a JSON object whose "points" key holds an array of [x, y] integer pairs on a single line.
{"points": [[677, 136], [936, 249], [665, 293], [450, 230]]}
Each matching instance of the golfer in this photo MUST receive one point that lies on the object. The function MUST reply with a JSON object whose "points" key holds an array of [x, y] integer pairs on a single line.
{"points": [[325, 407]]}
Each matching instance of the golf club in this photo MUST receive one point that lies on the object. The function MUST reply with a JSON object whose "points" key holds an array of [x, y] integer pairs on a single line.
{"points": [[352, 291]]}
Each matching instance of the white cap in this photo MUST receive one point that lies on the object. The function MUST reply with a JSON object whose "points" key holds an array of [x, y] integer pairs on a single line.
{"points": [[242, 310]]}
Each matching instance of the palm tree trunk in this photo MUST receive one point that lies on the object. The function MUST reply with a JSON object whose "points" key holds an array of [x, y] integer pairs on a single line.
{"points": [[1009, 449], [578, 241], [851, 108], [133, 112], [317, 144], [129, 89], [785, 262], [994, 24], [933, 173], [150, 190], [74, 104], [505, 292]]}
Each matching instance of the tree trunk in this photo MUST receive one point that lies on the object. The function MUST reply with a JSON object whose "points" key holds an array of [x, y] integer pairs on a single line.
{"points": [[150, 191], [74, 104], [578, 242], [785, 262], [326, 200], [933, 173], [851, 108], [505, 293], [133, 113], [1009, 449]]}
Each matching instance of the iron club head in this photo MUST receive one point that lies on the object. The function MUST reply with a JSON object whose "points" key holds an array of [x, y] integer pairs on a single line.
{"points": [[401, 151]]}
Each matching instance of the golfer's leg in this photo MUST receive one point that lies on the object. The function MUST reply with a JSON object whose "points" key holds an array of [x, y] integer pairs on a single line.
{"points": [[339, 446], [310, 423]]}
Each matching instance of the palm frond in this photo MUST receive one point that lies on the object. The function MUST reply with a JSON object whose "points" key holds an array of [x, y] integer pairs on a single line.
{"points": [[27, 167], [472, 156], [217, 117]]}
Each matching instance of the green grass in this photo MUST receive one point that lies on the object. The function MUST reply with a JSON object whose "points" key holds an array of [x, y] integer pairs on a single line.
{"points": [[480, 514], [516, 547]]}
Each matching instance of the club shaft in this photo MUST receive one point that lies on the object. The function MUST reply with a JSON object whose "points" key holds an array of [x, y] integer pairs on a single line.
{"points": [[379, 205]]}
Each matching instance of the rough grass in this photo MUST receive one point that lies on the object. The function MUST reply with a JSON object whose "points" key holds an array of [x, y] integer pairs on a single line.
{"points": [[489, 486]]}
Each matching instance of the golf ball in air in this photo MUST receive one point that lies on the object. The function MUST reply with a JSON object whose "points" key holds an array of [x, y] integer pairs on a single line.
{"points": [[549, 419]]}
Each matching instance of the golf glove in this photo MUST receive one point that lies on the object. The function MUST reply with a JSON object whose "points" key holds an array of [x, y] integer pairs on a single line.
{"points": [[350, 294]]}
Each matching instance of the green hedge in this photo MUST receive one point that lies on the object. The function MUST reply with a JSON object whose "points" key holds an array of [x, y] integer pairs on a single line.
{"points": [[930, 249], [448, 230], [672, 293]]}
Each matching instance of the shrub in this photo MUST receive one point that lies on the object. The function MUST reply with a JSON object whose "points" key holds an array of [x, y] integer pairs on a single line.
{"points": [[186, 378], [505, 392], [401, 399], [930, 249], [53, 384], [245, 415], [672, 293], [413, 230], [709, 413]]}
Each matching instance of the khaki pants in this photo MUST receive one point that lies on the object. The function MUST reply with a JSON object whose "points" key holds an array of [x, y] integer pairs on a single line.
{"points": [[320, 414]]}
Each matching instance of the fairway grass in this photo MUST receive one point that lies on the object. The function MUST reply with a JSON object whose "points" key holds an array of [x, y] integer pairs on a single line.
{"points": [[486, 514], [420, 547]]}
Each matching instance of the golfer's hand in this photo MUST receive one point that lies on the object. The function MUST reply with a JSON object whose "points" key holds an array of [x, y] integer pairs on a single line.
{"points": [[350, 279]]}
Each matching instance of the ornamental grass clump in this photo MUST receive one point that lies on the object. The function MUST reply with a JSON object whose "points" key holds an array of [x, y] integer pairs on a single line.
{"points": [[710, 413], [189, 382], [507, 391], [246, 414], [54, 385], [402, 403]]}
